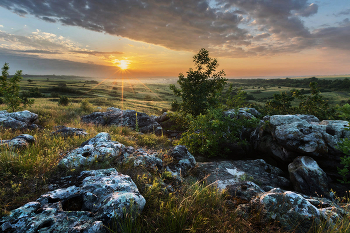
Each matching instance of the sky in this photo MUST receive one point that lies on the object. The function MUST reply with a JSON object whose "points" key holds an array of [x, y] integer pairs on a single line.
{"points": [[158, 38]]}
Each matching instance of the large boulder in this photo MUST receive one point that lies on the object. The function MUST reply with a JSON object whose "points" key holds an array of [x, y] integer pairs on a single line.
{"points": [[307, 177], [225, 173], [18, 120], [20, 142], [116, 116], [99, 197], [292, 211], [282, 138], [65, 131], [97, 149]]}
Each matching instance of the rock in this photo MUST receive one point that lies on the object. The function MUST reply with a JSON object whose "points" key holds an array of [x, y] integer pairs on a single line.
{"points": [[182, 162], [247, 113], [68, 131], [18, 120], [244, 190], [139, 157], [87, 207], [292, 211], [116, 116], [307, 177], [20, 142], [282, 138], [97, 149], [226, 173]]}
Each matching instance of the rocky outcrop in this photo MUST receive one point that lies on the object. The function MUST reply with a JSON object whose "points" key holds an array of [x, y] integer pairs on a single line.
{"points": [[97, 149], [226, 173], [18, 120], [308, 178], [64, 131], [292, 211], [20, 142], [116, 116], [246, 113], [88, 206], [182, 161], [282, 138]]}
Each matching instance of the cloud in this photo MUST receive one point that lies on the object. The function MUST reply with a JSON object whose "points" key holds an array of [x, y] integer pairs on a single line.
{"points": [[38, 51], [233, 28], [38, 65], [97, 53], [308, 11], [344, 12]]}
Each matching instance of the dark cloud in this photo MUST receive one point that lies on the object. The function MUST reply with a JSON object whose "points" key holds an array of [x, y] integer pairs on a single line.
{"points": [[335, 37], [191, 24], [32, 64], [38, 51], [308, 11], [344, 12]]}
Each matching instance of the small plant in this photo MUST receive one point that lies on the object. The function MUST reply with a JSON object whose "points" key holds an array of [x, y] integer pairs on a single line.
{"points": [[9, 89], [64, 101], [85, 106]]}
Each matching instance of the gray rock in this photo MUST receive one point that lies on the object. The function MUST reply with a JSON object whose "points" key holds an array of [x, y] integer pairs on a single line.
{"points": [[116, 116], [18, 120], [226, 173], [97, 149], [20, 142], [293, 211], [247, 113], [282, 138], [183, 161], [307, 177], [68, 131], [102, 196]]}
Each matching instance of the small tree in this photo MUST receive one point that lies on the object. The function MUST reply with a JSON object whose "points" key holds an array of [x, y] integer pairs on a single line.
{"points": [[202, 87], [9, 89]]}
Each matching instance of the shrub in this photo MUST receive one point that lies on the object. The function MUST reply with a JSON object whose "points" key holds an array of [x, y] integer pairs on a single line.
{"points": [[9, 89], [202, 87], [208, 133], [64, 101], [344, 146], [85, 106], [32, 92]]}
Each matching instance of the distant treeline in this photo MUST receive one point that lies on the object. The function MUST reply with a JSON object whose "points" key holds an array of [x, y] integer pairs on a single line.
{"points": [[323, 84]]}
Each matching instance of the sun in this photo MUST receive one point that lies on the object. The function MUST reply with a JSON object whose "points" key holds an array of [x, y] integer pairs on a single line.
{"points": [[123, 64]]}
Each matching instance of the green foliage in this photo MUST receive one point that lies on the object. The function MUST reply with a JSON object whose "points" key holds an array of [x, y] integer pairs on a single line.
{"points": [[32, 92], [202, 87], [64, 101], [344, 146], [280, 104], [85, 106], [9, 89], [208, 133], [312, 104], [234, 98], [344, 112]]}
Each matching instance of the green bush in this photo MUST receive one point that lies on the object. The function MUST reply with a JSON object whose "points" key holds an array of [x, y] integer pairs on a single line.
{"points": [[344, 146], [9, 89], [85, 106], [32, 92], [64, 101], [208, 133], [202, 87]]}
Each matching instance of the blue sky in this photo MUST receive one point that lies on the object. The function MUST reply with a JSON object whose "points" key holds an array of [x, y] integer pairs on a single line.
{"points": [[159, 38]]}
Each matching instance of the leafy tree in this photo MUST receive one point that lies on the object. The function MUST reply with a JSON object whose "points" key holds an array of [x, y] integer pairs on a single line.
{"points": [[202, 86], [9, 89]]}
